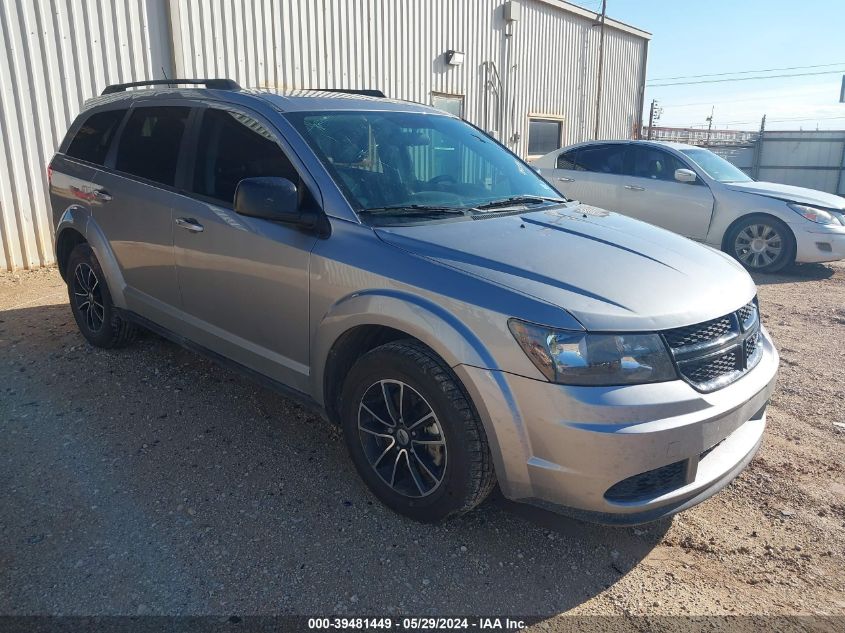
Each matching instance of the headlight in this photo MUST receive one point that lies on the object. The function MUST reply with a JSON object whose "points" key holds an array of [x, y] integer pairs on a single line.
{"points": [[580, 358], [816, 214]]}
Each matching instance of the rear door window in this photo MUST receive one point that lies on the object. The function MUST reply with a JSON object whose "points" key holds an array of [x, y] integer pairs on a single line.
{"points": [[150, 142], [602, 159], [232, 146], [92, 141]]}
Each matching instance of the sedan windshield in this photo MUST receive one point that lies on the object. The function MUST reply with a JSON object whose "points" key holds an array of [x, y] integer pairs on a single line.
{"points": [[715, 166], [400, 166]]}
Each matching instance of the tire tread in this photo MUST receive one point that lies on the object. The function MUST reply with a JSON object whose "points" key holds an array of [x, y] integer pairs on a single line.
{"points": [[482, 474]]}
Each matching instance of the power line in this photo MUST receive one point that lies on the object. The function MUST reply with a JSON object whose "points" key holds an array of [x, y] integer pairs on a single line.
{"points": [[786, 120], [746, 72], [718, 102], [716, 81]]}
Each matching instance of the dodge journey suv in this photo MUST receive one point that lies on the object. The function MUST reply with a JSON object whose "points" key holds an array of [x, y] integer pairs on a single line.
{"points": [[413, 281]]}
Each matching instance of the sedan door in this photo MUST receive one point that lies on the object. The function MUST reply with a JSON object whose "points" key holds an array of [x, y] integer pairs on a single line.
{"points": [[591, 174], [651, 193], [244, 280]]}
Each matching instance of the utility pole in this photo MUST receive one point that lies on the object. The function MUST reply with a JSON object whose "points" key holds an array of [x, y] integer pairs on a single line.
{"points": [[709, 124], [758, 150], [601, 63], [651, 117]]}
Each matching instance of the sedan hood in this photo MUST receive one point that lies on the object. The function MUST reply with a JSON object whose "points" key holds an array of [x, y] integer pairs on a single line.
{"points": [[608, 271], [789, 193]]}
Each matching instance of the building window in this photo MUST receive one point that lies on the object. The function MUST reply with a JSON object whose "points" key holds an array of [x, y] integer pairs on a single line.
{"points": [[544, 136], [453, 104]]}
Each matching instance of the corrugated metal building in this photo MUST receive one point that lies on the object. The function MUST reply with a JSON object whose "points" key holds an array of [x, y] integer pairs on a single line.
{"points": [[525, 71]]}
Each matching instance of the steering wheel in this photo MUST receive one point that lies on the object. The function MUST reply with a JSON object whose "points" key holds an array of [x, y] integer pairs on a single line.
{"points": [[442, 178]]}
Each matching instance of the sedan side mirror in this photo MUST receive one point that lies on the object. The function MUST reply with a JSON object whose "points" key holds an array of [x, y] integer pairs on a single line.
{"points": [[685, 175], [275, 199]]}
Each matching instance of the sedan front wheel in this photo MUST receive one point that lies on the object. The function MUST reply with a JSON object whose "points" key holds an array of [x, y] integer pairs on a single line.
{"points": [[762, 244]]}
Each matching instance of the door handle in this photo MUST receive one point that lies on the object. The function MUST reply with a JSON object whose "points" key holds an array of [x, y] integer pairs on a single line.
{"points": [[564, 179], [190, 224], [101, 195], [634, 188]]}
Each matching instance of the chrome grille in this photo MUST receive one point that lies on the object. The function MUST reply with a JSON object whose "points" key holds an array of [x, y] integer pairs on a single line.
{"points": [[713, 354], [700, 333], [712, 368]]}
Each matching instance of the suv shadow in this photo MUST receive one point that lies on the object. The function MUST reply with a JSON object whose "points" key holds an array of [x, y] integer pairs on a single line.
{"points": [[150, 480]]}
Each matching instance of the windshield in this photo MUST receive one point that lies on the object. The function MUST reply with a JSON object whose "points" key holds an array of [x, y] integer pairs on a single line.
{"points": [[715, 166], [401, 166]]}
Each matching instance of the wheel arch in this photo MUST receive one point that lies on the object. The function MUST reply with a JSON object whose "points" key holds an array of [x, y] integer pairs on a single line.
{"points": [[726, 236], [66, 241], [365, 320], [77, 226]]}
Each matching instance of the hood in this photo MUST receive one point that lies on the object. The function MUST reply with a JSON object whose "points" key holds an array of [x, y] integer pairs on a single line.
{"points": [[608, 271], [789, 193]]}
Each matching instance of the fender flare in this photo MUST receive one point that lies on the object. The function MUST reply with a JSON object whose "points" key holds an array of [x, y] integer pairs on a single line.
{"points": [[418, 317], [80, 220], [448, 337]]}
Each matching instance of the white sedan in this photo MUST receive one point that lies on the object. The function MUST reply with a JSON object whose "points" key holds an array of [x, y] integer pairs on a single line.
{"points": [[694, 192]]}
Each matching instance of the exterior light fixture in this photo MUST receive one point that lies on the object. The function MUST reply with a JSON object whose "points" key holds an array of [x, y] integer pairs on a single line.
{"points": [[454, 58]]}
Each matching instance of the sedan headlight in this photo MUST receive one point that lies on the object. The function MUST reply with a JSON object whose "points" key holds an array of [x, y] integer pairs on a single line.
{"points": [[580, 358], [817, 214]]}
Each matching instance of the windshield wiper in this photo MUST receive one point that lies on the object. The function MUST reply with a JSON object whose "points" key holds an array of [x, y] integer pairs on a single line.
{"points": [[423, 209], [515, 200]]}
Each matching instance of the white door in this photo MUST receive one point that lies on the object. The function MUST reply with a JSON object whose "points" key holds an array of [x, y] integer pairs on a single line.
{"points": [[651, 193], [591, 174]]}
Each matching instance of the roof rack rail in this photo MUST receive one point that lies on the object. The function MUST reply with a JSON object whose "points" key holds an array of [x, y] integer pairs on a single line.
{"points": [[216, 84], [367, 92]]}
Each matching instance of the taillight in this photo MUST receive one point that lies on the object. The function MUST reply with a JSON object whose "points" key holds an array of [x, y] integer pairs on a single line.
{"points": [[49, 174]]}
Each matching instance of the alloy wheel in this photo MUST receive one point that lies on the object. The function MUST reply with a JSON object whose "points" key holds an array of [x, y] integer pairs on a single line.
{"points": [[402, 438], [88, 297], [758, 245]]}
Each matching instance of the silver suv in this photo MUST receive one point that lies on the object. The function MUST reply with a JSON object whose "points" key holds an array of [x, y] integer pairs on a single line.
{"points": [[412, 280]]}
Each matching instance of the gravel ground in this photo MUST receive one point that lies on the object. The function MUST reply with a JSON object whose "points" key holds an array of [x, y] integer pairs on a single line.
{"points": [[151, 481]]}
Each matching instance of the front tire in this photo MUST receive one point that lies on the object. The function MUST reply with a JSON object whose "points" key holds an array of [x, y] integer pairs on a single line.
{"points": [[91, 303], [761, 243], [413, 434]]}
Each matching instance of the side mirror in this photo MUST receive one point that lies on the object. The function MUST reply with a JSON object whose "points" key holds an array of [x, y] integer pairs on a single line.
{"points": [[275, 199], [685, 175]]}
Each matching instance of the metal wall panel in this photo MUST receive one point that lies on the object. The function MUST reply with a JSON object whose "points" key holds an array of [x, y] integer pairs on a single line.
{"points": [[812, 158], [547, 61], [54, 55], [58, 53]]}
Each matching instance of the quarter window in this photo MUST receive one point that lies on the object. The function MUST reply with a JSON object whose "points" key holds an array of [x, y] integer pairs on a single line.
{"points": [[149, 144], [655, 164], [566, 160], [232, 147], [92, 140]]}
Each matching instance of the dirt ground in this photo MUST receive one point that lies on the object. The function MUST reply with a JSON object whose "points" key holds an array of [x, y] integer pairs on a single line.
{"points": [[151, 481]]}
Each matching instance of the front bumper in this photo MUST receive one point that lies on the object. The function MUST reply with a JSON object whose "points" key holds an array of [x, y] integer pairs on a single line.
{"points": [[818, 245], [565, 447]]}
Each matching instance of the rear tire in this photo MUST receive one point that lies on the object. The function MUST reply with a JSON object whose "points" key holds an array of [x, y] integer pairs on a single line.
{"points": [[91, 303], [761, 243], [413, 434]]}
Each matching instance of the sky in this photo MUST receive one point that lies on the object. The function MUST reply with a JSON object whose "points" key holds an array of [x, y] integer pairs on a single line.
{"points": [[698, 37]]}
